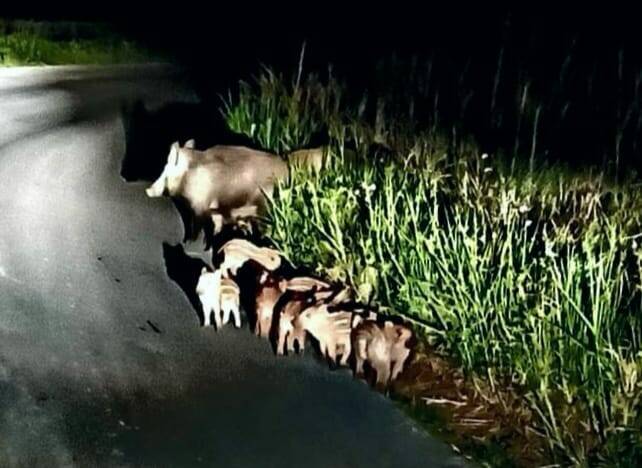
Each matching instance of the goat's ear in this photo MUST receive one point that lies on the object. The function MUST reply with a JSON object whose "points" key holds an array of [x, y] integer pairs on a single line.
{"points": [[190, 144], [203, 270]]}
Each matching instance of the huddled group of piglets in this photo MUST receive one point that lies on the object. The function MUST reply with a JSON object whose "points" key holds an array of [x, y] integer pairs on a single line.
{"points": [[288, 309]]}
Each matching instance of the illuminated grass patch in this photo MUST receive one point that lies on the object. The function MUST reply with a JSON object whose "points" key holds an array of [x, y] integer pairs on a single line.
{"points": [[523, 274]]}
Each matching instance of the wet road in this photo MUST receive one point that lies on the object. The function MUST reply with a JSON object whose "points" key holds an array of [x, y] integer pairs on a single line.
{"points": [[102, 358]]}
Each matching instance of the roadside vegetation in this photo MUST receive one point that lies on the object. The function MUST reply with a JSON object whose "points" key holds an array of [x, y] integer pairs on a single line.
{"points": [[27, 43], [523, 276]]}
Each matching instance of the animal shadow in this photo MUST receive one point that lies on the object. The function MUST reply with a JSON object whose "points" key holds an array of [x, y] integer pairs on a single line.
{"points": [[184, 271]]}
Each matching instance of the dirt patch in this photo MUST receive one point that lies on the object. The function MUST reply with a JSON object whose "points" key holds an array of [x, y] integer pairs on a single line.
{"points": [[488, 423]]}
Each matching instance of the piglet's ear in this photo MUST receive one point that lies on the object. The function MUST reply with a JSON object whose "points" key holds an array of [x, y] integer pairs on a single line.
{"points": [[190, 144], [203, 270]]}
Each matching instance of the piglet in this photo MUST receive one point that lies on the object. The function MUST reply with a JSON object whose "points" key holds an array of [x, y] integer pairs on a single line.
{"points": [[238, 251], [208, 289], [268, 294], [382, 345], [290, 330], [230, 301], [331, 330]]}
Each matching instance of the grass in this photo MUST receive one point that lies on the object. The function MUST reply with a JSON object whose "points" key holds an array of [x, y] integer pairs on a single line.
{"points": [[283, 125], [526, 275], [27, 47]]}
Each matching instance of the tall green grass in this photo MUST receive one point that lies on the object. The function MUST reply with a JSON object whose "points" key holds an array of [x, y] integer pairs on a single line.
{"points": [[283, 125], [528, 277]]}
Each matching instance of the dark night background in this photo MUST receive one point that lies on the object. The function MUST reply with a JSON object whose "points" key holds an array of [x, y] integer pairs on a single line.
{"points": [[221, 44], [208, 35]]}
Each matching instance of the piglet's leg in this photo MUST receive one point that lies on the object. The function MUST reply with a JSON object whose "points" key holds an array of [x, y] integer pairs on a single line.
{"points": [[346, 353], [266, 321], [401, 358], [207, 311], [218, 318], [332, 351], [383, 374], [291, 339], [300, 338], [237, 317], [360, 355], [217, 221], [226, 314], [323, 348], [280, 346]]}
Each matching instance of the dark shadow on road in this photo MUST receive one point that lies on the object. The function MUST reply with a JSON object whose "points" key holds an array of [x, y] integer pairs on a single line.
{"points": [[184, 271], [192, 225]]}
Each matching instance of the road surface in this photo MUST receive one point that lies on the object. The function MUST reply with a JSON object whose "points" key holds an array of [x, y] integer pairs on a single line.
{"points": [[102, 358]]}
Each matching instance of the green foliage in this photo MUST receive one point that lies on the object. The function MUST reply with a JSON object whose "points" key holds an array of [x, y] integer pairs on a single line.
{"points": [[28, 48], [283, 116]]}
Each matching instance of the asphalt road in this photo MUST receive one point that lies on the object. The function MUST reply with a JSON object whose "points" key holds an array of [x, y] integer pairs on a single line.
{"points": [[102, 358]]}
